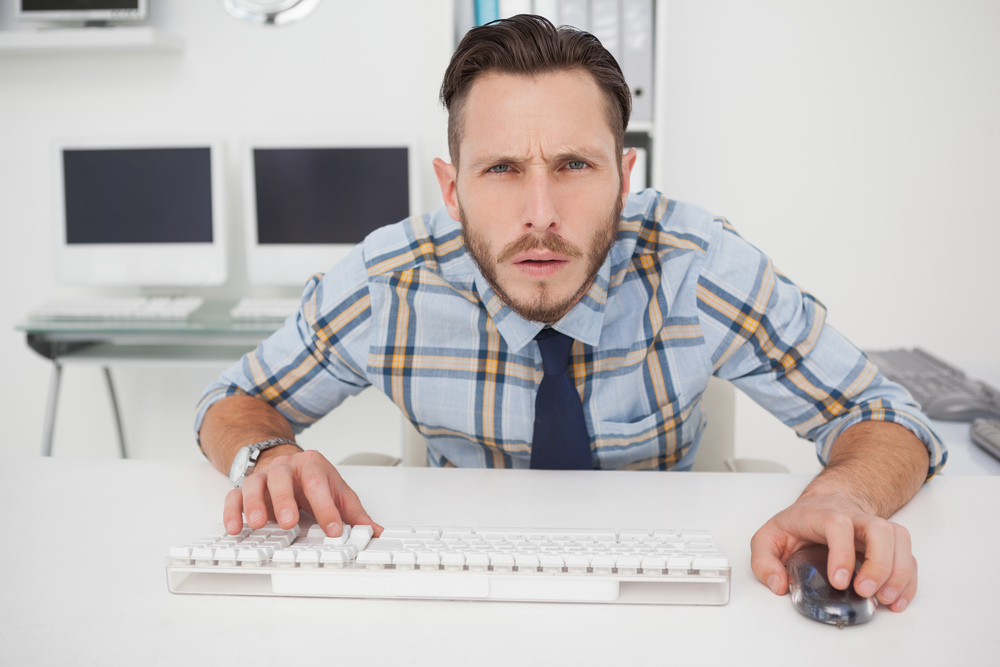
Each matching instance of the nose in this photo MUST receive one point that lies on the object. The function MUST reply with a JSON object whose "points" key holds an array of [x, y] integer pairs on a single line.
{"points": [[540, 210]]}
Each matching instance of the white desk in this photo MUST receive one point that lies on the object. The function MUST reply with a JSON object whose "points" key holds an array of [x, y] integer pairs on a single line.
{"points": [[69, 600]]}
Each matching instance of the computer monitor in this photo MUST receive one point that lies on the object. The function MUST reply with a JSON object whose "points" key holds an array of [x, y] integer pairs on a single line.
{"points": [[82, 10], [141, 213], [306, 205]]}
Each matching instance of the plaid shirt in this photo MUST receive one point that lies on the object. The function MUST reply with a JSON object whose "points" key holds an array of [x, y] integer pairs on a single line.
{"points": [[680, 297]]}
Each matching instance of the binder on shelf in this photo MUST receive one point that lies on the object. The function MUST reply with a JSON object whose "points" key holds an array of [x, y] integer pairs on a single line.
{"points": [[575, 13], [637, 55], [549, 9], [605, 25], [486, 11], [465, 18], [508, 8]]}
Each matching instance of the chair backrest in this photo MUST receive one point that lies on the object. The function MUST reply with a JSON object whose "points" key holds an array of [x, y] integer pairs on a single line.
{"points": [[718, 443]]}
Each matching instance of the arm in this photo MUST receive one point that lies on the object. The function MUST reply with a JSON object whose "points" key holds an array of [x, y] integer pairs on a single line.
{"points": [[285, 479], [874, 469]]}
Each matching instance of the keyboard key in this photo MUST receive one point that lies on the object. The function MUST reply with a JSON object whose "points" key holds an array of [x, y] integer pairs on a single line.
{"points": [[429, 560], [284, 558], [226, 557], [404, 559], [308, 558], [340, 539], [477, 561], [360, 535], [710, 563], [453, 560]]}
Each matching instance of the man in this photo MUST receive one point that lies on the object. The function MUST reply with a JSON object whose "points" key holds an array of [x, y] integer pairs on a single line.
{"points": [[455, 316]]}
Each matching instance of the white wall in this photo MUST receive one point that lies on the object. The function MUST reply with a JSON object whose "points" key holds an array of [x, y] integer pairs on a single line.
{"points": [[856, 142], [366, 67]]}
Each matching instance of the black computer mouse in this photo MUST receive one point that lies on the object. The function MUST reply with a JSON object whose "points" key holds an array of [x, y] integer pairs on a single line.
{"points": [[816, 598]]}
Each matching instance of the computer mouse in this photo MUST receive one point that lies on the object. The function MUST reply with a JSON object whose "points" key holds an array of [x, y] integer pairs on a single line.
{"points": [[816, 598], [953, 407]]}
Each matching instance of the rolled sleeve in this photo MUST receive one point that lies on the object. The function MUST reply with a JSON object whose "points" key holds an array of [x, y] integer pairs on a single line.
{"points": [[782, 353]]}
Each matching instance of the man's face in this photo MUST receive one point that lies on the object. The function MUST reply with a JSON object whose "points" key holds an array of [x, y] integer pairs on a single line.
{"points": [[537, 188]]}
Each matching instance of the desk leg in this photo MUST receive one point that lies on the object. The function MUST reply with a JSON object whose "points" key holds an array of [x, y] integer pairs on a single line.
{"points": [[50, 409], [114, 409]]}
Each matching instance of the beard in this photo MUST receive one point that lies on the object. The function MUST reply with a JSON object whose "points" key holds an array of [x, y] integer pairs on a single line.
{"points": [[542, 306]]}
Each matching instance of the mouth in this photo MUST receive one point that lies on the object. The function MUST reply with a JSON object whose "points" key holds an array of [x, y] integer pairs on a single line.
{"points": [[540, 264]]}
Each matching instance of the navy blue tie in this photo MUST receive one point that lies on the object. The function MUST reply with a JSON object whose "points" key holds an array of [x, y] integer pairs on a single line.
{"points": [[560, 441]]}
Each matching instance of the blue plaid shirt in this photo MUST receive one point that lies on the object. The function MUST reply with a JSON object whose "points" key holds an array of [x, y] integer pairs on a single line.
{"points": [[680, 298]]}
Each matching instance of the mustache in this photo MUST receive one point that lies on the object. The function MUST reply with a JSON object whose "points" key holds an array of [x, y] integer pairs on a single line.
{"points": [[530, 242]]}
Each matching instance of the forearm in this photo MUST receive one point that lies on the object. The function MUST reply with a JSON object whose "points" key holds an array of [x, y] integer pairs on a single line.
{"points": [[237, 421], [877, 465]]}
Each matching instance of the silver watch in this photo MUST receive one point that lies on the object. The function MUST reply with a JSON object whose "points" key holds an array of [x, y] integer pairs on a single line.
{"points": [[246, 459]]}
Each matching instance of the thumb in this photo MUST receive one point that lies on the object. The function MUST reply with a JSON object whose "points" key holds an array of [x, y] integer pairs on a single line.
{"points": [[767, 566]]}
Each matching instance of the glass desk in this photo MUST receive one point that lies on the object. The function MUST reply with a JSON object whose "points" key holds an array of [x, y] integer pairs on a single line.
{"points": [[209, 336]]}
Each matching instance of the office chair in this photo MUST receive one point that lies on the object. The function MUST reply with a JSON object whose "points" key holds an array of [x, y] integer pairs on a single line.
{"points": [[716, 453]]}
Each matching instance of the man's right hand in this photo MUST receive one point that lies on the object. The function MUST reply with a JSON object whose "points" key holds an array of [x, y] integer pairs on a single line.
{"points": [[285, 481]]}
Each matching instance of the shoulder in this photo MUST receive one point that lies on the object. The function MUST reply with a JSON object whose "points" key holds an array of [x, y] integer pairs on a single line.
{"points": [[655, 224], [432, 241]]}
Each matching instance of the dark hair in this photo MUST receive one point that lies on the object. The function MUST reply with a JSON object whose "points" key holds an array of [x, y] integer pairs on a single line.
{"points": [[527, 45]]}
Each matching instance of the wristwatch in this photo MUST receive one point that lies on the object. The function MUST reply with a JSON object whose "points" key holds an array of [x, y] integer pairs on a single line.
{"points": [[246, 459]]}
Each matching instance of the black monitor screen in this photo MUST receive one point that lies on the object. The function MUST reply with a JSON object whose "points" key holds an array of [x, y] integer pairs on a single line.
{"points": [[328, 195], [145, 195], [73, 5]]}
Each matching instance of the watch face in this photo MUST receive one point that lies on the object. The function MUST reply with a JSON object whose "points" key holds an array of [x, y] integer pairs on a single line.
{"points": [[239, 465]]}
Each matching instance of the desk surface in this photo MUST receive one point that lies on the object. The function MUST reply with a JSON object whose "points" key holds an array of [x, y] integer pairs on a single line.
{"points": [[108, 603]]}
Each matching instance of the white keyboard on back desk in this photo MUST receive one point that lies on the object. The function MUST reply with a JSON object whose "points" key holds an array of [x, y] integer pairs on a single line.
{"points": [[526, 564], [254, 308], [121, 308]]}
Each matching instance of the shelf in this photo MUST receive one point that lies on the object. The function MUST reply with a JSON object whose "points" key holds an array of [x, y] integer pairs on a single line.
{"points": [[87, 40]]}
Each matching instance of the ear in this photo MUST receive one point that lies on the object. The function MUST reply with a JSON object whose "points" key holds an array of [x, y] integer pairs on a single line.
{"points": [[628, 162], [447, 176]]}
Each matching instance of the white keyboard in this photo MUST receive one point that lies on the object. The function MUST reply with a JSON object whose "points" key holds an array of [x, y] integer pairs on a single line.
{"points": [[121, 308], [525, 564], [253, 308]]}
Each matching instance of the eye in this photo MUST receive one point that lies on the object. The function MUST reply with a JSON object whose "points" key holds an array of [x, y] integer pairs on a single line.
{"points": [[576, 165], [500, 169]]}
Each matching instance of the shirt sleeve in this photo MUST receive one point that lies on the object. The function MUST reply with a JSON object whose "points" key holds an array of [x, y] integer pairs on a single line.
{"points": [[316, 360], [771, 339]]}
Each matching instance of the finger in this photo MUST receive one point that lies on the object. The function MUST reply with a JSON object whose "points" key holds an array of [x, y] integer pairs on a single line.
{"points": [[879, 539], [765, 559], [902, 567], [316, 488], [281, 489], [904, 599], [232, 512], [254, 507], [838, 531], [351, 509]]}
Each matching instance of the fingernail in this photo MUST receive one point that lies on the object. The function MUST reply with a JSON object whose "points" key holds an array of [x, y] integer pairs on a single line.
{"points": [[901, 604], [233, 527], [333, 529], [286, 516], [256, 516], [867, 588], [889, 594], [773, 582], [841, 578]]}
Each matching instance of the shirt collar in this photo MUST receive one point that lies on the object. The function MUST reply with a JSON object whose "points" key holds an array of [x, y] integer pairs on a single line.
{"points": [[583, 322]]}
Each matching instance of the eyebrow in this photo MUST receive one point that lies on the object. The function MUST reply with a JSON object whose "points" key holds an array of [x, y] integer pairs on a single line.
{"points": [[584, 154]]}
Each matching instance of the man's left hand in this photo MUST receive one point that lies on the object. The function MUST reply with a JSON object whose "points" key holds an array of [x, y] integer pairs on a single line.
{"points": [[889, 569]]}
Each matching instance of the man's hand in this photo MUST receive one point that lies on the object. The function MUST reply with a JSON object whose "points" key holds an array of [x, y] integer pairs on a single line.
{"points": [[283, 483], [874, 469], [889, 568]]}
